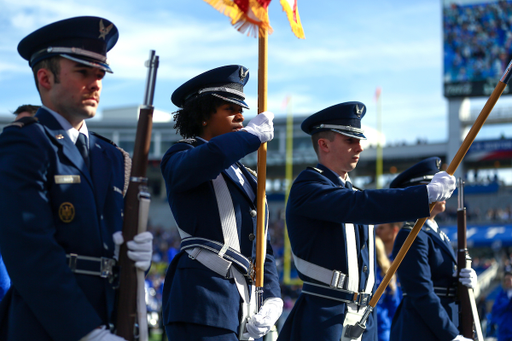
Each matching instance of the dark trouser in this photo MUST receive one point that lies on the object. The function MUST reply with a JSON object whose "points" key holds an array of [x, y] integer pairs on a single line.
{"points": [[180, 331]]}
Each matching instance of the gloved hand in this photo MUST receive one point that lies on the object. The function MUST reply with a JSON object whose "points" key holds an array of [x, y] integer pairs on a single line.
{"points": [[468, 277], [441, 187], [140, 249], [260, 324], [262, 126], [461, 338], [101, 334]]}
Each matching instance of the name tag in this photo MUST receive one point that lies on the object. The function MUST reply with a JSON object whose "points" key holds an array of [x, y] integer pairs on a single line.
{"points": [[67, 179]]}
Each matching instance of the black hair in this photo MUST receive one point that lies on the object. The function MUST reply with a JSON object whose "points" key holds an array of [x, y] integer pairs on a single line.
{"points": [[189, 120], [32, 109]]}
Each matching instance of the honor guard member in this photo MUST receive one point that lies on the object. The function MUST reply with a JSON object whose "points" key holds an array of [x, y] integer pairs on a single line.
{"points": [[329, 225], [62, 193], [213, 199], [428, 271]]}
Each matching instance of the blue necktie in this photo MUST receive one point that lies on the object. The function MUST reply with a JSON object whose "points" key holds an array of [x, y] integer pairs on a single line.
{"points": [[81, 144]]}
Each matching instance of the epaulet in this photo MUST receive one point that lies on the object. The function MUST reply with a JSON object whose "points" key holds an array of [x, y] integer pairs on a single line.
{"points": [[316, 170], [191, 141], [23, 122], [252, 171], [103, 138]]}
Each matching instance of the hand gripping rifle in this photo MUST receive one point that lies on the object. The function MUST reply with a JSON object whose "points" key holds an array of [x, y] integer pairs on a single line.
{"points": [[354, 332], [131, 307], [469, 319]]}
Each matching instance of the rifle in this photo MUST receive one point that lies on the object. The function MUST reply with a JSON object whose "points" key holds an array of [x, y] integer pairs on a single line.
{"points": [[131, 322], [469, 325], [463, 261]]}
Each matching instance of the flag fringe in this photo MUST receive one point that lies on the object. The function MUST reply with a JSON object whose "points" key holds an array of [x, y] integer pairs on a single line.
{"points": [[240, 20], [294, 19]]}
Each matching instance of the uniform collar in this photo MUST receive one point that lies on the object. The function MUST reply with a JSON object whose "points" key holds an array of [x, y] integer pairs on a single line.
{"points": [[70, 130]]}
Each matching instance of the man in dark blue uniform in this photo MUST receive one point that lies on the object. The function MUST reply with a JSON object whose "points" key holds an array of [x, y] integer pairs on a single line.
{"points": [[428, 310], [329, 228], [61, 202], [208, 286]]}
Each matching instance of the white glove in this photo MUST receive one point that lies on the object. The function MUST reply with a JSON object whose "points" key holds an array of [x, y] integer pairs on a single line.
{"points": [[101, 334], [262, 126], [441, 187], [260, 324], [468, 277], [140, 249], [461, 338]]}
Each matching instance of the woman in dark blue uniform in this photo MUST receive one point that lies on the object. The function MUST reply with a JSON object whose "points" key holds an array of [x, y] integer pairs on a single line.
{"points": [[427, 273], [207, 291]]}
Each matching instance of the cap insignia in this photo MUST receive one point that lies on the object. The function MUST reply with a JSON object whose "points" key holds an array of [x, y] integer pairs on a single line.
{"points": [[359, 111], [243, 73], [104, 30]]}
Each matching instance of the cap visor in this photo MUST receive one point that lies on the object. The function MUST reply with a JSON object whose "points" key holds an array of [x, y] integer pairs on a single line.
{"points": [[101, 66], [358, 136], [232, 100]]}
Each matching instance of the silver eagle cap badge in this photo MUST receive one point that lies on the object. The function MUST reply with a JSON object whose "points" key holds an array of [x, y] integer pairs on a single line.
{"points": [[359, 112], [243, 73], [104, 30]]}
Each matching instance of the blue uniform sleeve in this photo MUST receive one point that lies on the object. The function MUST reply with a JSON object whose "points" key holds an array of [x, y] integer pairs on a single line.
{"points": [[312, 193], [181, 162]]}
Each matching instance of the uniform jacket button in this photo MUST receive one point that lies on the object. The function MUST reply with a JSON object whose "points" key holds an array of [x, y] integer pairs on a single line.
{"points": [[253, 213], [251, 236], [365, 268]]}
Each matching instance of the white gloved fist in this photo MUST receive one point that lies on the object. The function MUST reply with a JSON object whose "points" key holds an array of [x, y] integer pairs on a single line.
{"points": [[140, 249], [262, 126], [260, 324], [441, 187], [468, 277], [461, 338], [101, 334]]}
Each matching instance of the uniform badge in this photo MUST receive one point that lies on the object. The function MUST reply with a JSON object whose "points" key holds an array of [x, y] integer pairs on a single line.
{"points": [[59, 137], [359, 111], [66, 212], [243, 73], [67, 179], [104, 30]]}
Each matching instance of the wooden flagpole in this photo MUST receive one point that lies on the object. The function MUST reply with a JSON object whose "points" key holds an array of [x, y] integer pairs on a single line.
{"points": [[466, 144], [262, 161], [356, 330]]}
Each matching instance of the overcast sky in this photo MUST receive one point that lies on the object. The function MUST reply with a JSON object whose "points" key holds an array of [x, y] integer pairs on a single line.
{"points": [[351, 48]]}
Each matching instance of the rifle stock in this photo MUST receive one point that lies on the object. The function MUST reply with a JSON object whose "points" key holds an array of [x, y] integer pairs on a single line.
{"points": [[127, 313], [466, 324]]}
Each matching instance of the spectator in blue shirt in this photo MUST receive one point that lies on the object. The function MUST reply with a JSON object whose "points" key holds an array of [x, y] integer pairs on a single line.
{"points": [[502, 309]]}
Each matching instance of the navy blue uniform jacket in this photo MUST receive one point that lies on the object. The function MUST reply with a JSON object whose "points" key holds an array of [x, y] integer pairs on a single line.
{"points": [[46, 300], [318, 207], [429, 263], [192, 293]]}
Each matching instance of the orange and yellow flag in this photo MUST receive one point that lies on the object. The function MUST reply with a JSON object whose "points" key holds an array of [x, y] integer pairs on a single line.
{"points": [[250, 16]]}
